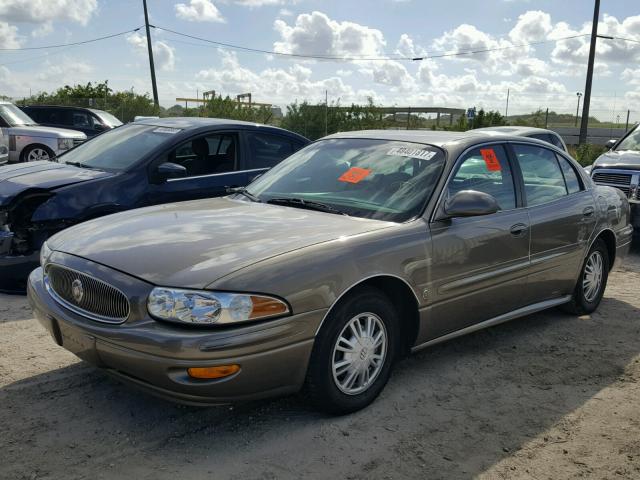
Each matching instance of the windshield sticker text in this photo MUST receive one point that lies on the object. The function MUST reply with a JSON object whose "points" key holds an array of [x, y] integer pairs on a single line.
{"points": [[490, 159], [411, 152], [166, 130], [354, 175]]}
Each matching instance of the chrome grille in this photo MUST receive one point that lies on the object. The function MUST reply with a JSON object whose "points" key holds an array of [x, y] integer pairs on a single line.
{"points": [[77, 141], [612, 178], [98, 300], [624, 180]]}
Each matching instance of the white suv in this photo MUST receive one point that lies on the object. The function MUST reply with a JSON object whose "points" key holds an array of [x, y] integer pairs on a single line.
{"points": [[29, 142]]}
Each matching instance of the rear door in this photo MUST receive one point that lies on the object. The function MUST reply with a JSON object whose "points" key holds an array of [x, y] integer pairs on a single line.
{"points": [[212, 165], [479, 264], [562, 215]]}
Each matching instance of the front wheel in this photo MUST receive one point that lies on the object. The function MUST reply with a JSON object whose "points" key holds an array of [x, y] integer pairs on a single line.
{"points": [[354, 353], [37, 153], [592, 281]]}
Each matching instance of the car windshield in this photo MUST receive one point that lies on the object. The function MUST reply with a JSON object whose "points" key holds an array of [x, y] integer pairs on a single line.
{"points": [[378, 179], [631, 142], [108, 119], [14, 116], [118, 149]]}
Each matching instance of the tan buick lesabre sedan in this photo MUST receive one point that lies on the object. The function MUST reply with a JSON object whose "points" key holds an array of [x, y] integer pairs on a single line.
{"points": [[320, 275]]}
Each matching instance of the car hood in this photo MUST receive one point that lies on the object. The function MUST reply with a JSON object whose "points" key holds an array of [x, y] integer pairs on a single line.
{"points": [[16, 178], [191, 244], [623, 159], [50, 132]]}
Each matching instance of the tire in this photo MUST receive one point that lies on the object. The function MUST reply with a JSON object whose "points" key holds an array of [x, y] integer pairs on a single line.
{"points": [[584, 300], [328, 383], [34, 153]]}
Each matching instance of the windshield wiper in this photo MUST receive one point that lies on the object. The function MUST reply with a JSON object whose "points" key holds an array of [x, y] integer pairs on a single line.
{"points": [[308, 204], [243, 191], [81, 165]]}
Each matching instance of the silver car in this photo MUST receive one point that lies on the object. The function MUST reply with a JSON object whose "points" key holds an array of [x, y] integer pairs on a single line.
{"points": [[29, 142], [321, 274]]}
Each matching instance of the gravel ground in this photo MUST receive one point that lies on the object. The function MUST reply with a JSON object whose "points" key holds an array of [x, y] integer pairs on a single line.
{"points": [[548, 396]]}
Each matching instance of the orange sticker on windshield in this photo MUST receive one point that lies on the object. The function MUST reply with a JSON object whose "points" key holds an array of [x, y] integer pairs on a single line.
{"points": [[354, 175], [490, 159]]}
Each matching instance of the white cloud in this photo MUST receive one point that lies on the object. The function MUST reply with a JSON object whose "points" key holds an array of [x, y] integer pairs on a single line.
{"points": [[199, 11], [393, 74], [163, 54], [38, 11], [316, 33], [42, 30], [285, 12], [262, 3], [276, 85], [407, 48], [532, 26], [8, 36]]}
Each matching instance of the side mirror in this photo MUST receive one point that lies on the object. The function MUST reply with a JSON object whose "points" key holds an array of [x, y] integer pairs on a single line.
{"points": [[470, 203], [610, 143], [168, 170]]}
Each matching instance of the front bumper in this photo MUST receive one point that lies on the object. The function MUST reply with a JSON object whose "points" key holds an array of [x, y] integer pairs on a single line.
{"points": [[154, 356], [15, 269]]}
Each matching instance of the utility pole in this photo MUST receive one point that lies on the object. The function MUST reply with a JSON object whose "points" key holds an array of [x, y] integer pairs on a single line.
{"points": [[326, 113], [506, 110], [578, 94], [626, 127], [150, 49], [587, 88]]}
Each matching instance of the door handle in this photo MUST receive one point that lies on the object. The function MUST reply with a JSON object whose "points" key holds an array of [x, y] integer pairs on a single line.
{"points": [[519, 229], [587, 212]]}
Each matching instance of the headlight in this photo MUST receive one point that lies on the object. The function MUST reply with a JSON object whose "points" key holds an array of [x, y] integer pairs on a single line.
{"points": [[203, 307], [65, 143], [45, 253]]}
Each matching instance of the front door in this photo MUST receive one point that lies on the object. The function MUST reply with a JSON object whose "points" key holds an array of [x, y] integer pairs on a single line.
{"points": [[211, 163], [562, 214], [479, 264]]}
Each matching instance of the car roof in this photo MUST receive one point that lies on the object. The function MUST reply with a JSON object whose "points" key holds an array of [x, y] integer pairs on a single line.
{"points": [[515, 130], [94, 110], [444, 139], [196, 122]]}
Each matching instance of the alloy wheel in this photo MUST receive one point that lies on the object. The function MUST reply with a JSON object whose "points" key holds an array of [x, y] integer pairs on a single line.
{"points": [[37, 154], [593, 274]]}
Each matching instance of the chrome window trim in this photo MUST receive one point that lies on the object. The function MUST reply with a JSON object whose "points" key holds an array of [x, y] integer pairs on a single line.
{"points": [[77, 310], [216, 174]]}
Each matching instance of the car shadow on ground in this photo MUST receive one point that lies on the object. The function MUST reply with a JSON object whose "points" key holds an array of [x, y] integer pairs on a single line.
{"points": [[451, 411]]}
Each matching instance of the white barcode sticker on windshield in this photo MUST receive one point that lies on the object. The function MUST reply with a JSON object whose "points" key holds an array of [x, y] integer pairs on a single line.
{"points": [[166, 130], [412, 152]]}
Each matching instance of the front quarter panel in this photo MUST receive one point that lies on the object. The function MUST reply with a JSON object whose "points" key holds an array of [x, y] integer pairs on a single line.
{"points": [[315, 277]]}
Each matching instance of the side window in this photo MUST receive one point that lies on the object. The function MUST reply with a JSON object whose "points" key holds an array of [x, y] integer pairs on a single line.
{"points": [[81, 119], [555, 139], [545, 137], [543, 179], [265, 151], [570, 175], [486, 169], [206, 155]]}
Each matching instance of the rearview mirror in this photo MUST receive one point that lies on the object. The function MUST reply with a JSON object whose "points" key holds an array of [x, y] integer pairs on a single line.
{"points": [[610, 143], [168, 170], [470, 203]]}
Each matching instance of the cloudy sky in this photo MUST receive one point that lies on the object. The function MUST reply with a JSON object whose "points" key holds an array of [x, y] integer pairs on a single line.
{"points": [[374, 37]]}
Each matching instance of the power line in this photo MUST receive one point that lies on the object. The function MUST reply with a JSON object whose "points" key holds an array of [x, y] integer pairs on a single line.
{"points": [[83, 42], [361, 57]]}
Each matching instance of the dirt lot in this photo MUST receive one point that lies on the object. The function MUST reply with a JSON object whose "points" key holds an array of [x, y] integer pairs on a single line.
{"points": [[549, 396]]}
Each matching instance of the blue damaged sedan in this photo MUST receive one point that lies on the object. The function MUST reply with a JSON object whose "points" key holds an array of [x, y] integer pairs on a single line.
{"points": [[143, 163]]}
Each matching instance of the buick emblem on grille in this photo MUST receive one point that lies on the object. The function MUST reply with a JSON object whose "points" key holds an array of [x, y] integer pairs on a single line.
{"points": [[77, 290]]}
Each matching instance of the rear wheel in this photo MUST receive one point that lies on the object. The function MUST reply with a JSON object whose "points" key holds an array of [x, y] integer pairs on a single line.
{"points": [[592, 281], [354, 353], [37, 153]]}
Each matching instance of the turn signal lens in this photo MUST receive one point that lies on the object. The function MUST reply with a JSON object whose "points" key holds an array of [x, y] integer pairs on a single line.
{"points": [[267, 307], [220, 371]]}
